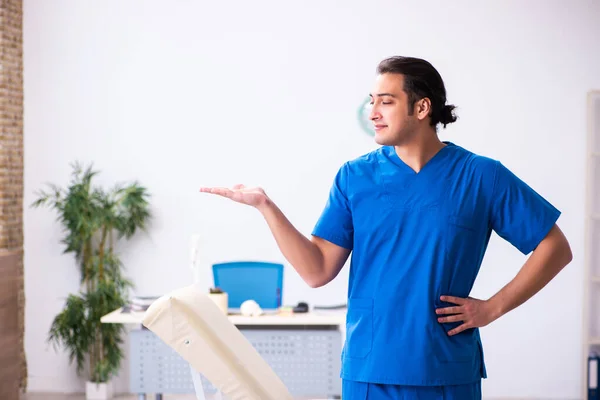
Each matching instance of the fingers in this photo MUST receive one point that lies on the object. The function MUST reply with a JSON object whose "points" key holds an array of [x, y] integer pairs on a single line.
{"points": [[459, 329], [459, 314], [222, 190], [452, 299], [452, 318], [449, 310], [218, 191]]}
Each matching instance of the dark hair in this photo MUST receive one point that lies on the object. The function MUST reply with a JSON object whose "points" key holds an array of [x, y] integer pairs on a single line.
{"points": [[421, 80]]}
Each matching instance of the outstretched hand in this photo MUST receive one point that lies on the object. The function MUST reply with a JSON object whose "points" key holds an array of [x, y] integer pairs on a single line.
{"points": [[472, 312], [254, 196]]}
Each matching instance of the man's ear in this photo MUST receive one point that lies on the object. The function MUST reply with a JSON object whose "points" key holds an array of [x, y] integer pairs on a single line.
{"points": [[423, 108]]}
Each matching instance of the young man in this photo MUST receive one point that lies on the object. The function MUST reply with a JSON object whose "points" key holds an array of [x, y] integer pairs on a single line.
{"points": [[417, 215]]}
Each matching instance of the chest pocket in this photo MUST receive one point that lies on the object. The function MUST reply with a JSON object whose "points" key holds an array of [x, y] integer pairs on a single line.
{"points": [[461, 252]]}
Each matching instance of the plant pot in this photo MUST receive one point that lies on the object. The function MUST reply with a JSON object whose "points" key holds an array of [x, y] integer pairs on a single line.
{"points": [[221, 300], [99, 391]]}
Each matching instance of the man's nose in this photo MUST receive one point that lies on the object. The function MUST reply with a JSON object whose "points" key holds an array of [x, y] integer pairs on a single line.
{"points": [[374, 115]]}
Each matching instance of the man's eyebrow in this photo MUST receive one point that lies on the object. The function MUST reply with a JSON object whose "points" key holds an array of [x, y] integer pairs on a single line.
{"points": [[383, 94]]}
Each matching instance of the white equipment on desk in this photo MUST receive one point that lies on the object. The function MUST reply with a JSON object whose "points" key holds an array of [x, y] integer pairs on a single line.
{"points": [[196, 273], [190, 323]]}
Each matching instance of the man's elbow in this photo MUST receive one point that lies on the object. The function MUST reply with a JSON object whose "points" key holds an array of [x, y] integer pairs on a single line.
{"points": [[315, 284], [317, 281], [567, 252], [562, 246]]}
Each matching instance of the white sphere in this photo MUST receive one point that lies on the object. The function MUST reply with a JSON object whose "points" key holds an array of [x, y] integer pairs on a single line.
{"points": [[250, 308]]}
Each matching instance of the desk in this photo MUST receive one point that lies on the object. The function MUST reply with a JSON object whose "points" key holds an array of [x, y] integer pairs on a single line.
{"points": [[303, 349]]}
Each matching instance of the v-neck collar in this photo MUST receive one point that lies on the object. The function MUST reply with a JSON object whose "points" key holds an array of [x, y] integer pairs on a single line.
{"points": [[437, 157]]}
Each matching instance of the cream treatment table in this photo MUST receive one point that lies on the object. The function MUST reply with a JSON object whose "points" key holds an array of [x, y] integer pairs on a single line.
{"points": [[303, 349]]}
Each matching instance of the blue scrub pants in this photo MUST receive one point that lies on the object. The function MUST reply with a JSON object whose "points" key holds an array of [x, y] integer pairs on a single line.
{"points": [[352, 390]]}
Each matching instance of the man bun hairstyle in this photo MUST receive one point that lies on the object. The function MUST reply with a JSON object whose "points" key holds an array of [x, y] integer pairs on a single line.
{"points": [[448, 116], [421, 80]]}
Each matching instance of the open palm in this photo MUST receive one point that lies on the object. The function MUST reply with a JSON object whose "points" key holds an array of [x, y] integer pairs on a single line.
{"points": [[253, 196]]}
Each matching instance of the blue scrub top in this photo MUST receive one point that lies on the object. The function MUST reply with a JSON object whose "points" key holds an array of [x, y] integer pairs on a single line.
{"points": [[415, 237]]}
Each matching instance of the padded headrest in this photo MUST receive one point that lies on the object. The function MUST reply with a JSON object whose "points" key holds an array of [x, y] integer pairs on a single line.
{"points": [[188, 321]]}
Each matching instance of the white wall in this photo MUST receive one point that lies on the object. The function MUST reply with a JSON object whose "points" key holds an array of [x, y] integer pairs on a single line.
{"points": [[215, 93]]}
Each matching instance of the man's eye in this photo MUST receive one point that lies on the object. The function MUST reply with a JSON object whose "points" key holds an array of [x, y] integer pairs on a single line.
{"points": [[386, 102]]}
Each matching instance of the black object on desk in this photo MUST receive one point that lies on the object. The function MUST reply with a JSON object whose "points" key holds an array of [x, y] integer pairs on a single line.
{"points": [[302, 307]]}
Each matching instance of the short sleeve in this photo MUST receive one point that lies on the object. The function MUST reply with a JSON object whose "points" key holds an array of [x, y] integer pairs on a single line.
{"points": [[519, 214], [335, 223]]}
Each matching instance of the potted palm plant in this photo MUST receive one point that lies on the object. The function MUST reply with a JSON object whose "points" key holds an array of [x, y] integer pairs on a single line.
{"points": [[93, 220]]}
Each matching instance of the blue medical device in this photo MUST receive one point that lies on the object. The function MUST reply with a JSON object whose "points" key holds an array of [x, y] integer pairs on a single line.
{"points": [[250, 280]]}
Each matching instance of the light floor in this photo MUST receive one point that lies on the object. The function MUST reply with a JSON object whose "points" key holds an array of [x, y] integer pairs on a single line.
{"points": [[53, 396], [42, 396]]}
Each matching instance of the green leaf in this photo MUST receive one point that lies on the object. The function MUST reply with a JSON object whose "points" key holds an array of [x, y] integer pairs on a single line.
{"points": [[84, 212]]}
